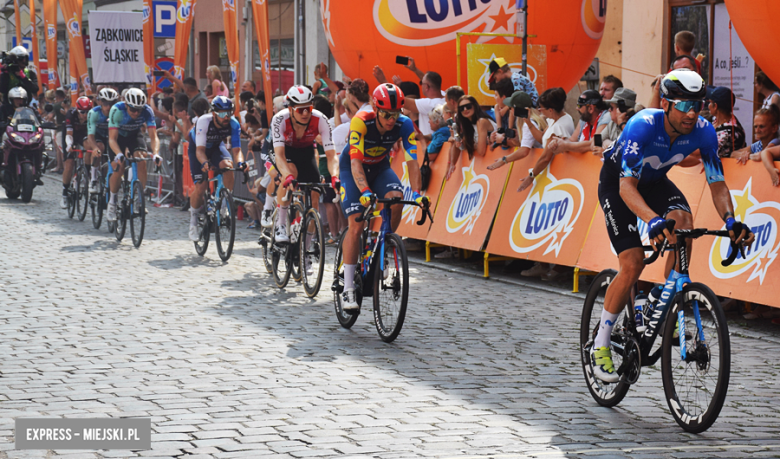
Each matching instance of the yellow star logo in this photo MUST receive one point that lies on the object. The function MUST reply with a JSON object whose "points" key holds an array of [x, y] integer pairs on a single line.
{"points": [[743, 202], [468, 176], [541, 182]]}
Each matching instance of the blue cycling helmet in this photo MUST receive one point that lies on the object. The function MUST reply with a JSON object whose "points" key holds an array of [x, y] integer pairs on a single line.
{"points": [[221, 104]]}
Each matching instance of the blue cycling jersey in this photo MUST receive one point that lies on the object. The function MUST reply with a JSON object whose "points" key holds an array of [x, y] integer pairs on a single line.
{"points": [[97, 122], [643, 150], [208, 135], [118, 118]]}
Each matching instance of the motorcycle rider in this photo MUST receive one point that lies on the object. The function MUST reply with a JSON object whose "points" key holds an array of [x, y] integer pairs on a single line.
{"points": [[14, 72], [17, 97]]}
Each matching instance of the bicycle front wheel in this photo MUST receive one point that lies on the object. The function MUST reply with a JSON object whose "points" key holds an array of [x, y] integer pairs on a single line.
{"points": [[696, 375], [110, 226], [121, 212], [312, 253], [225, 233], [346, 319], [82, 193], [137, 214], [296, 219], [202, 244], [266, 243], [96, 206], [72, 198], [391, 288], [605, 394]]}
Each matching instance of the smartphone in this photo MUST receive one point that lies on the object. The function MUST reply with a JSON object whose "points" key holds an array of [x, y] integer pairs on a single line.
{"points": [[403, 60], [597, 140], [158, 73]]}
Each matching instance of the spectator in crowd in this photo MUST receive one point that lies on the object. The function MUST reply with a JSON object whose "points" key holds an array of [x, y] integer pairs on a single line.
{"points": [[61, 108], [525, 120], [243, 100], [259, 110], [320, 86], [765, 124], [182, 125], [767, 89], [248, 85], [410, 89], [432, 96], [441, 132], [254, 208], [620, 104], [591, 108], [413, 67], [341, 131], [451, 96], [768, 157], [502, 90], [682, 61], [329, 210], [731, 134], [474, 128], [358, 95], [499, 69], [609, 85], [684, 42], [218, 87]]}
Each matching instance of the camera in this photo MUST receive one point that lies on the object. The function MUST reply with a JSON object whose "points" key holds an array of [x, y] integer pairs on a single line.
{"points": [[508, 134]]}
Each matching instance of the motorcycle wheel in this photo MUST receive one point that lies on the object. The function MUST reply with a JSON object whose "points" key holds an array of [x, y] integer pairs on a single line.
{"points": [[28, 182]]}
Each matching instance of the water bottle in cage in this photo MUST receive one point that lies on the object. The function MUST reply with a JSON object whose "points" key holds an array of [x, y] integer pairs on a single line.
{"points": [[639, 314]]}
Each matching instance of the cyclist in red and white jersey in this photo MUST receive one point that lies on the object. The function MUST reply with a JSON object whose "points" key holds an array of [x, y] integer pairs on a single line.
{"points": [[294, 131]]}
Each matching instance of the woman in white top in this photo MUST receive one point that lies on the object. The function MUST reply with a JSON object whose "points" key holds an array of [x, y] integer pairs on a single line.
{"points": [[473, 127], [767, 89]]}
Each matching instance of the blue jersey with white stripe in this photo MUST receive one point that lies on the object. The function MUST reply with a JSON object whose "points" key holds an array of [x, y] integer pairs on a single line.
{"points": [[644, 150]]}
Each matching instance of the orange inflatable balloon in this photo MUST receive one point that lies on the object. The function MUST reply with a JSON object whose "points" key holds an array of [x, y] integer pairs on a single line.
{"points": [[364, 33], [756, 23]]}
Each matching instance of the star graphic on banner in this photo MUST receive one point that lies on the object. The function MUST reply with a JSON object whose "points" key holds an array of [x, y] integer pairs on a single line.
{"points": [[743, 202], [501, 20], [468, 176], [541, 182]]}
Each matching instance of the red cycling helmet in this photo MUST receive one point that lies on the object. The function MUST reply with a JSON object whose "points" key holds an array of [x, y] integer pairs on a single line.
{"points": [[388, 96], [83, 104]]}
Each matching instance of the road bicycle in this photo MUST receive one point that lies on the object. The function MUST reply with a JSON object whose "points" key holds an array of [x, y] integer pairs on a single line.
{"points": [[219, 218], [303, 257], [131, 203], [382, 271], [97, 204], [695, 349], [78, 190]]}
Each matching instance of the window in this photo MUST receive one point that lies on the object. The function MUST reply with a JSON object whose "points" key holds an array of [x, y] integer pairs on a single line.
{"points": [[696, 18]]}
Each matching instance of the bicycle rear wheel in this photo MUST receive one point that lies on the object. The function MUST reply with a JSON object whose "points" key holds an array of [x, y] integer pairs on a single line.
{"points": [[605, 394], [265, 243], [202, 244], [312, 253], [281, 261], [96, 205], [121, 212], [391, 288], [345, 319], [296, 220], [696, 387], [225, 233], [82, 193], [72, 198], [137, 213], [110, 226]]}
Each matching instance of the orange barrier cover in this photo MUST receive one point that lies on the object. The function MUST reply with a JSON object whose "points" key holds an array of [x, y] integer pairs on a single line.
{"points": [[187, 185], [411, 214], [469, 202]]}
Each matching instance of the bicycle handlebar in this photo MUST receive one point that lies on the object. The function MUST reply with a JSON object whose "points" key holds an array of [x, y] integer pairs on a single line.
{"points": [[374, 200], [736, 249], [320, 187], [222, 170]]}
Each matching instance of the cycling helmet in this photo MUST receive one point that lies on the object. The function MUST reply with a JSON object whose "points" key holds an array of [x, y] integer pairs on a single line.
{"points": [[17, 93], [20, 55], [683, 84], [388, 96], [83, 104], [221, 104], [108, 94], [135, 98], [298, 95]]}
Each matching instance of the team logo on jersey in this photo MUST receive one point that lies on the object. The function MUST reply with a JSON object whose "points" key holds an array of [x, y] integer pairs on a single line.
{"points": [[51, 31], [763, 218], [594, 14], [354, 138], [469, 201], [548, 214], [426, 23], [73, 26], [184, 11]]}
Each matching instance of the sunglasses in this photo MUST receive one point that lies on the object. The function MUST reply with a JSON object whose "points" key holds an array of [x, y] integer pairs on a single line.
{"points": [[389, 114], [302, 110], [222, 115], [687, 105], [462, 108]]}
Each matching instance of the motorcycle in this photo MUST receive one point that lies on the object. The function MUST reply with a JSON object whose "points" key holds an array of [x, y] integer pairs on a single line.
{"points": [[23, 154]]}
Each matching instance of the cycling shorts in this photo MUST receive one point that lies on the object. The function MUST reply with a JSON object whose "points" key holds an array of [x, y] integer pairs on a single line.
{"points": [[215, 155], [662, 196], [129, 143], [381, 179], [304, 160]]}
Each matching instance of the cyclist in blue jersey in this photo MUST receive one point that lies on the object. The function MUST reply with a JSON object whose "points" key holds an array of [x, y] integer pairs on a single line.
{"points": [[125, 123], [364, 169], [633, 183], [207, 150], [97, 130]]}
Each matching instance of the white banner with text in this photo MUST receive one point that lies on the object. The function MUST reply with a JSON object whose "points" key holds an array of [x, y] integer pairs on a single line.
{"points": [[117, 47]]}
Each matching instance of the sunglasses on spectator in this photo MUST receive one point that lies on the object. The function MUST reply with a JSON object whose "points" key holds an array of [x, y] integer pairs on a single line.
{"points": [[465, 107], [303, 109], [389, 114], [687, 105], [222, 115]]}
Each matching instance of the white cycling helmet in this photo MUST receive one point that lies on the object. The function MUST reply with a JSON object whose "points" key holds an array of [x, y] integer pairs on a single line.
{"points": [[17, 93], [135, 98], [683, 84], [20, 54], [298, 95], [108, 94]]}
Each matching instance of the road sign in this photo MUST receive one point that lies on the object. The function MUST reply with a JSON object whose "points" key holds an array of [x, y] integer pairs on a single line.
{"points": [[27, 43], [164, 19]]}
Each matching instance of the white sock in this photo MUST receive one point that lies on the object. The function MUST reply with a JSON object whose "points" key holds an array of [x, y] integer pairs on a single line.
{"points": [[194, 215], [94, 173], [605, 329], [349, 277], [281, 219], [113, 198], [269, 202]]}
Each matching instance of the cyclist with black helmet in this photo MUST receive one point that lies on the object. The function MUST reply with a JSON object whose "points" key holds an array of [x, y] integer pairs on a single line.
{"points": [[97, 130], [364, 168], [125, 123], [294, 131], [207, 150], [633, 184], [75, 134]]}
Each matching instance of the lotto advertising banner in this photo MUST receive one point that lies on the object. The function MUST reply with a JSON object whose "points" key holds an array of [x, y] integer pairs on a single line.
{"points": [[412, 214], [185, 11], [117, 47], [34, 36], [598, 253], [71, 10], [364, 33], [755, 278], [260, 13], [50, 27], [469, 202], [148, 23], [231, 37], [18, 21], [549, 220], [478, 57]]}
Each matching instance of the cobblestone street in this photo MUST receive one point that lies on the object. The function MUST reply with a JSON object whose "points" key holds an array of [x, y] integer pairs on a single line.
{"points": [[227, 365]]}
